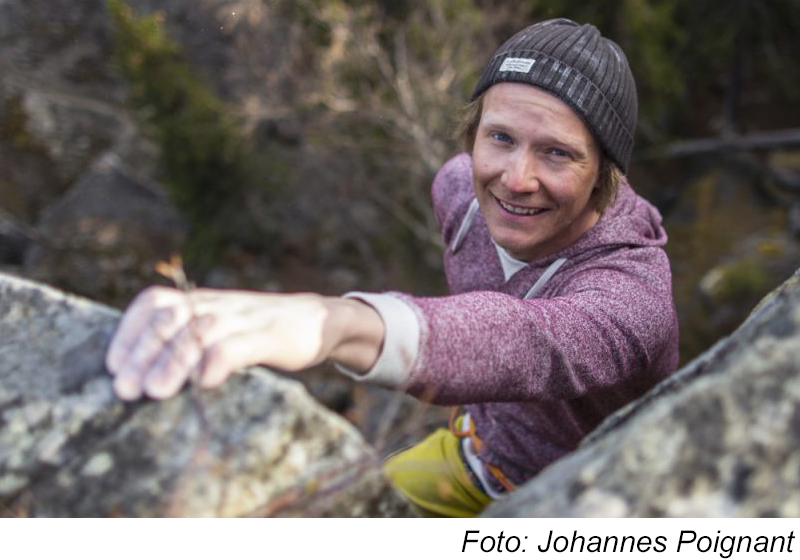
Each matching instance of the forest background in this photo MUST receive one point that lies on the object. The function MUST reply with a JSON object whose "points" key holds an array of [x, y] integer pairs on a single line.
{"points": [[296, 140]]}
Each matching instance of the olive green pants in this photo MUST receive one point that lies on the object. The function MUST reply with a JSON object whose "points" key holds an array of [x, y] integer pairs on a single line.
{"points": [[433, 477]]}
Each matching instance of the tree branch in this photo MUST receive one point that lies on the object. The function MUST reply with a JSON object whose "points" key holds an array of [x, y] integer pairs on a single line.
{"points": [[769, 140]]}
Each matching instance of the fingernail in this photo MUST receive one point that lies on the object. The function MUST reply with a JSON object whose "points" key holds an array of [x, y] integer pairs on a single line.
{"points": [[158, 387], [127, 388]]}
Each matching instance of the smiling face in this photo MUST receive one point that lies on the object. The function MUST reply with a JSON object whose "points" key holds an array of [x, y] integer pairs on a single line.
{"points": [[535, 164]]}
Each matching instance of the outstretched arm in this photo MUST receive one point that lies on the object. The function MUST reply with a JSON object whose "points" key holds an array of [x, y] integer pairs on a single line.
{"points": [[167, 337]]}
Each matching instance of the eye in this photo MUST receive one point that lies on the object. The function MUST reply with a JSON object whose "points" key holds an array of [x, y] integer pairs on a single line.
{"points": [[501, 137], [559, 153]]}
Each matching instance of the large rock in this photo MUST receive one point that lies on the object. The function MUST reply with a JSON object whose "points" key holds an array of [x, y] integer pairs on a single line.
{"points": [[69, 447], [720, 438]]}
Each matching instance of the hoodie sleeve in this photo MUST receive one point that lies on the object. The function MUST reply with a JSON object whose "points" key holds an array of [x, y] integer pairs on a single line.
{"points": [[610, 324]]}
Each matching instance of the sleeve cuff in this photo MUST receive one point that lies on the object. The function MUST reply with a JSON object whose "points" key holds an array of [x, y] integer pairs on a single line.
{"points": [[400, 345]]}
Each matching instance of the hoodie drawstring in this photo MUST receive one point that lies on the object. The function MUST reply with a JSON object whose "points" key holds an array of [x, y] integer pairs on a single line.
{"points": [[466, 223], [543, 279], [463, 229]]}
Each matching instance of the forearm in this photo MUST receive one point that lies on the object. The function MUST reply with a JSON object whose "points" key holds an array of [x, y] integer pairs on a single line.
{"points": [[167, 337]]}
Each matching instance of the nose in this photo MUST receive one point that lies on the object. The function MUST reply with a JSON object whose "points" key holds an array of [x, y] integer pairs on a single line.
{"points": [[521, 175]]}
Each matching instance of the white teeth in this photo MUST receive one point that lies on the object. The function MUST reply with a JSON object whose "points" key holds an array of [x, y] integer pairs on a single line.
{"points": [[519, 210]]}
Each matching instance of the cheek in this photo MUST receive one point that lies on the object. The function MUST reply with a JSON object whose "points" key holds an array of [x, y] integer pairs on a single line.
{"points": [[489, 164], [482, 174], [576, 189], [485, 161]]}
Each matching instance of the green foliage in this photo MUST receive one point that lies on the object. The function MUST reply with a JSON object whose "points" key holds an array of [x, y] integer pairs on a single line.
{"points": [[745, 280], [734, 61], [14, 124], [652, 35], [204, 160], [685, 56], [29, 174], [385, 82], [404, 66], [372, 86]]}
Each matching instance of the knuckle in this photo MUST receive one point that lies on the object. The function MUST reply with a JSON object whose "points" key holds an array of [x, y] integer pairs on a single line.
{"points": [[163, 320], [148, 296], [164, 315], [215, 356], [201, 325], [167, 375], [180, 354], [155, 295]]}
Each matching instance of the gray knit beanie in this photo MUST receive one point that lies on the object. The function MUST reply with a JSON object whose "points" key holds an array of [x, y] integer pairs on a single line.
{"points": [[582, 68]]}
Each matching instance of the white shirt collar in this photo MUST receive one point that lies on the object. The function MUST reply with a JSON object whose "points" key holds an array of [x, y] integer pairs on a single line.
{"points": [[510, 265]]}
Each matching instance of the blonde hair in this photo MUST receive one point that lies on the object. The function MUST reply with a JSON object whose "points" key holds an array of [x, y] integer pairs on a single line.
{"points": [[609, 177]]}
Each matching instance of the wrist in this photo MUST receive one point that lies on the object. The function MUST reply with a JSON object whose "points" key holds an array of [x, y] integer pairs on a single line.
{"points": [[356, 332]]}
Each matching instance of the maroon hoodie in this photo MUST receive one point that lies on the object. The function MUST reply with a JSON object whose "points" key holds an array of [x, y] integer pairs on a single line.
{"points": [[538, 374]]}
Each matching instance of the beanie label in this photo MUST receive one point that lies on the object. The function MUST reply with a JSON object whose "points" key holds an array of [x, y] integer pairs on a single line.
{"points": [[523, 65]]}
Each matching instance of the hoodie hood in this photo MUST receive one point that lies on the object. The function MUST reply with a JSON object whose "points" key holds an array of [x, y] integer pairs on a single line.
{"points": [[630, 221]]}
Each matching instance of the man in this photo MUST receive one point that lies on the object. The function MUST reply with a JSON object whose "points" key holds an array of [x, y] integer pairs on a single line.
{"points": [[561, 310]]}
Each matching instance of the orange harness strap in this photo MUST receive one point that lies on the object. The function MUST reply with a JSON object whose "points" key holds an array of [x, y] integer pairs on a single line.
{"points": [[477, 444]]}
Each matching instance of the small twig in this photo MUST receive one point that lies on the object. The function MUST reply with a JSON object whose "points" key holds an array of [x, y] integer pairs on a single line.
{"points": [[420, 231], [174, 271]]}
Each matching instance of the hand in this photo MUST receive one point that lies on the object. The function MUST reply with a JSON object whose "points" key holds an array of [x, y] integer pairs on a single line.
{"points": [[167, 337]]}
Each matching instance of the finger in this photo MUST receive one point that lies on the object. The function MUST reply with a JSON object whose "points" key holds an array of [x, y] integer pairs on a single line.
{"points": [[225, 357], [176, 362], [127, 387], [164, 325], [150, 344], [136, 317]]}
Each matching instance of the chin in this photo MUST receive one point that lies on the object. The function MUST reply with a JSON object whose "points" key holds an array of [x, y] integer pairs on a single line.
{"points": [[520, 250]]}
